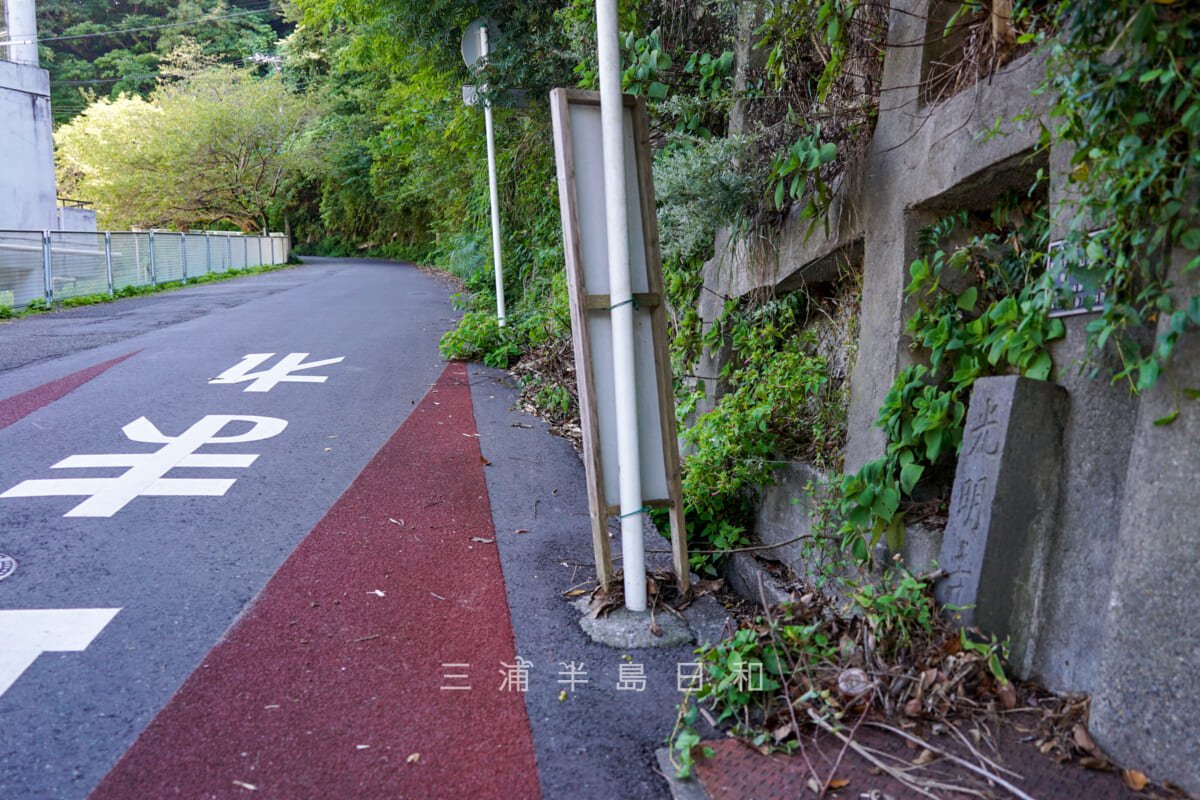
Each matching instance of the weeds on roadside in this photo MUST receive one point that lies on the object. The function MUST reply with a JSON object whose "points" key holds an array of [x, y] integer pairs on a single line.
{"points": [[815, 664]]}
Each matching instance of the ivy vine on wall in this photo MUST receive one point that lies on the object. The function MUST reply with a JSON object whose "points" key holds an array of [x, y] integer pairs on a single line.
{"points": [[1125, 76], [997, 324]]}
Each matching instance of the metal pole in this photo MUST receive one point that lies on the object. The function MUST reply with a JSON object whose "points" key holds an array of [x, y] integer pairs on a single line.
{"points": [[47, 267], [108, 261], [612, 126], [153, 265], [271, 239], [493, 190], [258, 239], [20, 18], [207, 252], [183, 254]]}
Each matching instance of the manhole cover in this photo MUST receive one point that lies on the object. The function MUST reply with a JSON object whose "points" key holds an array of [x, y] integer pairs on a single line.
{"points": [[8, 565]]}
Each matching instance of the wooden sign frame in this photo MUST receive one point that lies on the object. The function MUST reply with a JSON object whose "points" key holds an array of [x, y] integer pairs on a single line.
{"points": [[575, 118]]}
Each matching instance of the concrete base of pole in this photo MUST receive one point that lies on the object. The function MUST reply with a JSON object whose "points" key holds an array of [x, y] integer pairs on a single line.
{"points": [[626, 630]]}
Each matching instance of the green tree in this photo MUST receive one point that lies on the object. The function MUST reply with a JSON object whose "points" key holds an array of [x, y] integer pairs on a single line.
{"points": [[221, 145], [109, 49]]}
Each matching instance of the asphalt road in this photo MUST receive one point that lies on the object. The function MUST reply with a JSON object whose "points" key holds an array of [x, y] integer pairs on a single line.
{"points": [[182, 568], [156, 577]]}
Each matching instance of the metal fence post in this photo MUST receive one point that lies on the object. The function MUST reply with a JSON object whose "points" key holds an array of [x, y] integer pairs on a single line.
{"points": [[183, 254], [153, 265], [207, 252], [271, 239], [260, 258], [108, 261], [47, 267], [229, 251]]}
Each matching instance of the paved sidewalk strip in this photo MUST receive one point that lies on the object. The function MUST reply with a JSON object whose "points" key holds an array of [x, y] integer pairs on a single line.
{"points": [[332, 682]]}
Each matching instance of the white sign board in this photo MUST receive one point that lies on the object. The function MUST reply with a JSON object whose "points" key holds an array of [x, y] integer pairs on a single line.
{"points": [[577, 142]]}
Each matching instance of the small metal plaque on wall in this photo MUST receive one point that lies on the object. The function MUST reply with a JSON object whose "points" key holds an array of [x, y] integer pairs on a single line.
{"points": [[1067, 265]]}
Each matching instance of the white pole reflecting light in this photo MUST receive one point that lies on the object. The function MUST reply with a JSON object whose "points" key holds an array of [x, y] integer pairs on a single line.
{"points": [[20, 17], [493, 191], [621, 296]]}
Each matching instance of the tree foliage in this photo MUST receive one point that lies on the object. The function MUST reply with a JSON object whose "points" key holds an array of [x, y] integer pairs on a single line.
{"points": [[83, 54], [218, 146]]}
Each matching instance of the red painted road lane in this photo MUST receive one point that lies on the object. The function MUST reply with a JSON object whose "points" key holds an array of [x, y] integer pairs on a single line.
{"points": [[24, 404], [329, 683]]}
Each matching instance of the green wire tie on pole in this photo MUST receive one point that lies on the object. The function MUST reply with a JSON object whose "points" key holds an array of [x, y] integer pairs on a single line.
{"points": [[631, 513]]}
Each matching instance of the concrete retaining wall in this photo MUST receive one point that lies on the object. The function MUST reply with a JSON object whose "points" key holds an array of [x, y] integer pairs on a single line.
{"points": [[27, 196], [1104, 595]]}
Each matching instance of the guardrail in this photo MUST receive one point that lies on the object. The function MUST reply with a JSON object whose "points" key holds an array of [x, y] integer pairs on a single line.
{"points": [[57, 265]]}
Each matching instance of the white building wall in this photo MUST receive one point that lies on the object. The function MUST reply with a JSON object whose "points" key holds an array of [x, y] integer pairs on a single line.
{"points": [[27, 183], [27, 188]]}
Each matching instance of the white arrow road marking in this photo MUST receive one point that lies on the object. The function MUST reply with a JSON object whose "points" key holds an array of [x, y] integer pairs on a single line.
{"points": [[27, 633], [265, 380]]}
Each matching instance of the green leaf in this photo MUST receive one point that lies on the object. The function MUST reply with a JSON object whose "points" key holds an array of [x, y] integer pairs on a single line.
{"points": [[909, 476], [1147, 375], [1040, 368], [996, 350], [1193, 310], [658, 90], [886, 503], [933, 443], [1179, 321], [1190, 240], [1168, 419], [966, 300]]}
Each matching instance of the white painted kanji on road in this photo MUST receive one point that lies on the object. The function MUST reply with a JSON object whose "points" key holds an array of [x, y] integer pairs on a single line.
{"points": [[29, 632], [146, 471], [265, 380]]}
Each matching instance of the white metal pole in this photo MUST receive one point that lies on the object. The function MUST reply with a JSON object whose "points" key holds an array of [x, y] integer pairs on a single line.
{"points": [[153, 263], [621, 296], [20, 17], [47, 267], [493, 191], [108, 260]]}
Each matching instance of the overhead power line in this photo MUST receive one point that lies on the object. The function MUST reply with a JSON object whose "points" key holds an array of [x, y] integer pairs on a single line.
{"points": [[241, 61], [185, 23]]}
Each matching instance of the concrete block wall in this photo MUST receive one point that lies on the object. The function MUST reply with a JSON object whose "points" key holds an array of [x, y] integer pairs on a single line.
{"points": [[27, 183], [1107, 598], [27, 191], [1146, 692], [73, 218]]}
